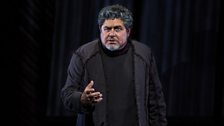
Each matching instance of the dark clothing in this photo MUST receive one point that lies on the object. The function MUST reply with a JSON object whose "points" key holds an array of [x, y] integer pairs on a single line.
{"points": [[121, 104], [87, 64]]}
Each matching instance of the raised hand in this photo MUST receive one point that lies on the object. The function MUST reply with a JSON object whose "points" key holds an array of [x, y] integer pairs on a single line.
{"points": [[90, 96]]}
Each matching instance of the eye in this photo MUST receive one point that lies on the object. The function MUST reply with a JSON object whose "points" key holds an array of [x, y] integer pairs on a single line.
{"points": [[106, 29], [118, 29]]}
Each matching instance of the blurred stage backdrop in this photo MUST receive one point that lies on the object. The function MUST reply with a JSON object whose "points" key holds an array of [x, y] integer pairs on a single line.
{"points": [[183, 34]]}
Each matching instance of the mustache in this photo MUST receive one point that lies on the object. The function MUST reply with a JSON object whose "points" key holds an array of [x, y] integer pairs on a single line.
{"points": [[111, 39]]}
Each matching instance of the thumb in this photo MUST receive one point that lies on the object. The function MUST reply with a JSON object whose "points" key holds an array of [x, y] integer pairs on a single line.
{"points": [[90, 85]]}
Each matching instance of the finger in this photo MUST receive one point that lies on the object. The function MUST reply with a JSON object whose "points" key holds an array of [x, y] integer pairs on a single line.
{"points": [[89, 88], [89, 91], [95, 94], [98, 96], [98, 100], [90, 85]]}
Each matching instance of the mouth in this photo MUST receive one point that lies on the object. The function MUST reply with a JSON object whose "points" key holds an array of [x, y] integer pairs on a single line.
{"points": [[111, 41]]}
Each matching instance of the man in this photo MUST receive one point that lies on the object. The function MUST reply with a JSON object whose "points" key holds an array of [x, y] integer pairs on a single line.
{"points": [[114, 81]]}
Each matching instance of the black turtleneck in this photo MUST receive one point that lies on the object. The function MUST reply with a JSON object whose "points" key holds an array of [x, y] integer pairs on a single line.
{"points": [[118, 69], [115, 52]]}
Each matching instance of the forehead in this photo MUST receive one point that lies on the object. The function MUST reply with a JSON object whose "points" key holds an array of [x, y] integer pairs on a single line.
{"points": [[113, 22]]}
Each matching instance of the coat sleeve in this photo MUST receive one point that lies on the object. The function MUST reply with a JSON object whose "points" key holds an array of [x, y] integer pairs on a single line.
{"points": [[74, 86], [157, 106]]}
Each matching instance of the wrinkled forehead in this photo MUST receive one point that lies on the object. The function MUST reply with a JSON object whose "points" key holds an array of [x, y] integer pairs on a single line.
{"points": [[113, 23]]}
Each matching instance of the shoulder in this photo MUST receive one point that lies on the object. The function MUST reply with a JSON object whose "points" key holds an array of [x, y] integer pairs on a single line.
{"points": [[140, 46], [88, 50], [142, 50]]}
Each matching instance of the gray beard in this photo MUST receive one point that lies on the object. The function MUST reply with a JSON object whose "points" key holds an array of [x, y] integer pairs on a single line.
{"points": [[112, 47]]}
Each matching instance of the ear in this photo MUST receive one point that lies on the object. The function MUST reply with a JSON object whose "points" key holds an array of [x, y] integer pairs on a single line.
{"points": [[128, 31], [100, 28]]}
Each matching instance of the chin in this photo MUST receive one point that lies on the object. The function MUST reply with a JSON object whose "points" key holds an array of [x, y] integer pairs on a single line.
{"points": [[113, 47]]}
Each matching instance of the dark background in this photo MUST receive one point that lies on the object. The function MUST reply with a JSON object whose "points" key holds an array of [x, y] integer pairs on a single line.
{"points": [[40, 37]]}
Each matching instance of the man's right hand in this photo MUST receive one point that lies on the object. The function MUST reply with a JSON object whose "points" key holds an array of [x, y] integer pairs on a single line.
{"points": [[90, 96]]}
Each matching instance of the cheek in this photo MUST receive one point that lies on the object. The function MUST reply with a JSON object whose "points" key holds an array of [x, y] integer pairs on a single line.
{"points": [[123, 37], [102, 36]]}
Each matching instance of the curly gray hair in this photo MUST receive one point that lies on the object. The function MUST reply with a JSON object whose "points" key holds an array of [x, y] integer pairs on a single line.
{"points": [[116, 11]]}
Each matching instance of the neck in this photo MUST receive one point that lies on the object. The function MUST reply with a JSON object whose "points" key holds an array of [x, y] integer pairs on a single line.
{"points": [[118, 52]]}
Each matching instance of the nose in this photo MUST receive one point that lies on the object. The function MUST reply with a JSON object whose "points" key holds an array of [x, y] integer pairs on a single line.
{"points": [[112, 32]]}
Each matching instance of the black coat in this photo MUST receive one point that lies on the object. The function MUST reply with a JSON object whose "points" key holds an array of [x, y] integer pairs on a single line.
{"points": [[86, 64]]}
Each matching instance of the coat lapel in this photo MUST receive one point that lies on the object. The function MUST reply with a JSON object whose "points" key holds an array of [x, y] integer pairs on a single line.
{"points": [[140, 75], [96, 73]]}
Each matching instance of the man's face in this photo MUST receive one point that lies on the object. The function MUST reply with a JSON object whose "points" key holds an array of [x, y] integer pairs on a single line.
{"points": [[113, 34]]}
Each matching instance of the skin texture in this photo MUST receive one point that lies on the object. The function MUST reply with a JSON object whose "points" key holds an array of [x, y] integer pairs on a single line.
{"points": [[90, 96], [113, 34]]}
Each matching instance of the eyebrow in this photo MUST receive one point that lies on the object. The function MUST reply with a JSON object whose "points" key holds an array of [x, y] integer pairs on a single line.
{"points": [[118, 26]]}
